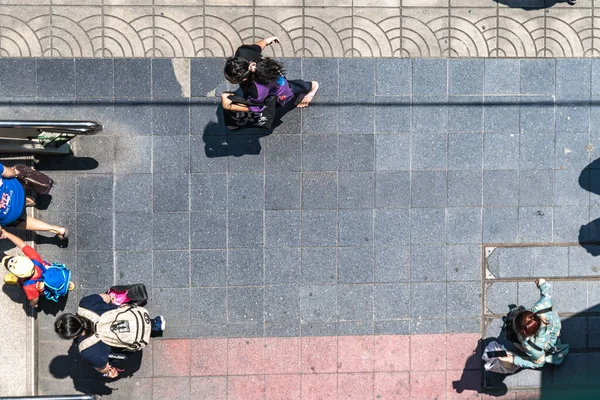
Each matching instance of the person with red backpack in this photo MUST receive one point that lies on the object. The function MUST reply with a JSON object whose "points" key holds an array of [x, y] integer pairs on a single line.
{"points": [[35, 275]]}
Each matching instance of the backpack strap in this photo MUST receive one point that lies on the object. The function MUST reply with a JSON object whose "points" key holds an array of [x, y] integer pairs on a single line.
{"points": [[88, 342], [535, 346], [92, 316], [543, 311], [40, 279], [39, 265]]}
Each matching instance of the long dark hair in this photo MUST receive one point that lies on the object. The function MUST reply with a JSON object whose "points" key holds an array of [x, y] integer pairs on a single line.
{"points": [[70, 326], [267, 70]]}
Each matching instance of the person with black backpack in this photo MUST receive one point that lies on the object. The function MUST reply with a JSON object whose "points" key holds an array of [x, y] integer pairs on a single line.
{"points": [[99, 325], [536, 332]]}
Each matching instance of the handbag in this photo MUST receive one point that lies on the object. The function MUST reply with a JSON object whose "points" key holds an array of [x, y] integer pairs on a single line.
{"points": [[34, 179], [129, 294], [240, 119]]}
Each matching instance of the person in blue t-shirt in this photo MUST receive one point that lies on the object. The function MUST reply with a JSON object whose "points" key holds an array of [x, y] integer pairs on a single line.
{"points": [[13, 203], [74, 326]]}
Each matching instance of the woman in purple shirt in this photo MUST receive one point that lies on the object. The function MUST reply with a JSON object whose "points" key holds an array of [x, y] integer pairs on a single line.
{"points": [[260, 77]]}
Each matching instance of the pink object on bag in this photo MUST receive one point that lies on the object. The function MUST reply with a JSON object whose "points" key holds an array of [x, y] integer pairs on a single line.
{"points": [[118, 298]]}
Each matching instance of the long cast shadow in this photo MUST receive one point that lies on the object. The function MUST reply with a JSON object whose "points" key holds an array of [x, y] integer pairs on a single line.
{"points": [[589, 234], [532, 4]]}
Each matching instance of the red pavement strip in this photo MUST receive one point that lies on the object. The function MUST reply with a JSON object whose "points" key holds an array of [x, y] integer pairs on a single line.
{"points": [[344, 367]]}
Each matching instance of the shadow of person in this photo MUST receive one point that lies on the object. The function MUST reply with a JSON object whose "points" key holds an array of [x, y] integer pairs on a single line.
{"points": [[470, 379], [50, 307], [533, 4], [66, 163], [41, 239], [17, 295], [85, 378], [589, 234]]}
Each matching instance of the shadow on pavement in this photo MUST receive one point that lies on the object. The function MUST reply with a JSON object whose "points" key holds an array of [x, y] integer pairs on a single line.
{"points": [[531, 4], [66, 163], [85, 378], [589, 234]]}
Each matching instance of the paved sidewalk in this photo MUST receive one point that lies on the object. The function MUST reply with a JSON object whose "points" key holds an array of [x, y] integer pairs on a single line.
{"points": [[362, 218], [307, 28]]}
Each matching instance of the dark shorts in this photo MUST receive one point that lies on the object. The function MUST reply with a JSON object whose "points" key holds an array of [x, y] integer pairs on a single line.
{"points": [[299, 86]]}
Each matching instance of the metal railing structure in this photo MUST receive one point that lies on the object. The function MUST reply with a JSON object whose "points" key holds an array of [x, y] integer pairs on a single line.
{"points": [[42, 137]]}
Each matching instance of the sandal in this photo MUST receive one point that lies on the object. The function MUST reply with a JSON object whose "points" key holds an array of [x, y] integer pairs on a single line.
{"points": [[29, 201]]}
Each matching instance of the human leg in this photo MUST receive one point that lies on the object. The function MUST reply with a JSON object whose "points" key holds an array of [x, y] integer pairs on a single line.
{"points": [[34, 224], [304, 91]]}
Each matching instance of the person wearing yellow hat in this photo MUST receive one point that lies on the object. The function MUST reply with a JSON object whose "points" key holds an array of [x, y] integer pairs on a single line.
{"points": [[28, 271]]}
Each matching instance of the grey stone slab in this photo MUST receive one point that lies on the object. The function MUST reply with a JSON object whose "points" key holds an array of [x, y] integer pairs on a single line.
{"points": [[356, 189], [208, 268], [282, 191], [204, 158], [245, 305], [573, 79], [427, 226], [319, 265], [132, 78], [393, 114], [430, 114], [357, 114], [282, 228], [500, 225], [392, 264], [393, 77], [282, 304], [319, 329], [165, 83], [571, 150], [325, 71], [465, 76], [355, 328], [169, 156], [318, 303], [355, 264], [464, 299], [465, 114], [355, 227], [65, 109], [582, 261], [427, 263], [429, 189], [570, 296], [206, 116], [391, 301], [499, 295], [465, 151], [207, 330], [593, 296], [501, 76], [429, 77], [463, 263], [501, 114], [567, 190], [500, 188], [245, 229], [463, 325], [537, 114], [357, 77], [593, 331], [21, 107], [171, 268], [567, 222], [209, 192], [210, 306], [283, 330], [575, 373], [465, 188], [171, 231], [94, 78], [249, 330], [206, 77], [133, 116], [171, 192], [537, 76], [282, 266], [245, 267], [429, 151], [552, 261], [516, 262], [322, 116], [171, 117], [95, 268], [319, 190], [95, 193], [208, 230], [356, 152], [283, 153], [528, 294], [132, 193], [245, 191], [392, 327], [392, 227], [319, 227], [536, 151], [501, 151], [17, 77], [72, 221], [132, 267], [355, 302], [163, 300], [319, 152], [392, 152], [133, 231], [94, 231], [133, 154], [392, 189], [55, 78], [573, 116], [535, 224], [463, 225], [574, 331], [536, 187], [428, 300], [595, 79]]}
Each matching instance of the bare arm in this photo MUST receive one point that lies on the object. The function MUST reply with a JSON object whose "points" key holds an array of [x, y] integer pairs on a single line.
{"points": [[17, 241], [108, 371], [267, 41], [34, 303], [8, 172], [105, 297], [229, 105]]}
